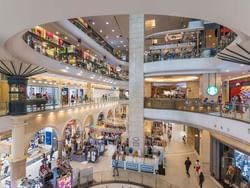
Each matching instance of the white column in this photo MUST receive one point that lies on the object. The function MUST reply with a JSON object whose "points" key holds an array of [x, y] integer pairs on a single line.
{"points": [[205, 144], [136, 82], [60, 148], [18, 159]]}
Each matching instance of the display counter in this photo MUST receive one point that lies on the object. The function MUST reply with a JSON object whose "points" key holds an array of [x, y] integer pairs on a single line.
{"points": [[138, 164]]}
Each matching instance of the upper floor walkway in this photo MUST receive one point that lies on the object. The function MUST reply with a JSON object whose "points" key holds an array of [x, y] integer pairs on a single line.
{"points": [[231, 120]]}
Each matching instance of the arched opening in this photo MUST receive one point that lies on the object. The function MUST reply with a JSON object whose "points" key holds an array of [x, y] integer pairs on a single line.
{"points": [[42, 142], [100, 119], [42, 150], [110, 115], [87, 126], [73, 137]]}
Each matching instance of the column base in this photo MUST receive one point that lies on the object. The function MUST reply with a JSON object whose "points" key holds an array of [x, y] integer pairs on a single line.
{"points": [[17, 171]]}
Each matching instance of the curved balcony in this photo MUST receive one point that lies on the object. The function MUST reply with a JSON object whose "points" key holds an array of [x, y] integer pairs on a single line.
{"points": [[236, 111], [229, 119], [138, 179], [74, 59], [187, 49]]}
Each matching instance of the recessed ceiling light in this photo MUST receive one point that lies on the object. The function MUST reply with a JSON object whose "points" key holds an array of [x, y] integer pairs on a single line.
{"points": [[93, 23], [117, 36], [34, 81], [40, 82], [65, 37], [78, 45], [107, 23], [242, 65], [124, 46], [57, 32], [100, 31], [45, 82], [113, 30], [107, 37], [121, 41]]}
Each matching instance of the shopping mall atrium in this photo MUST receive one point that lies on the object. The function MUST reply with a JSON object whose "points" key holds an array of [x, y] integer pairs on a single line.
{"points": [[124, 94]]}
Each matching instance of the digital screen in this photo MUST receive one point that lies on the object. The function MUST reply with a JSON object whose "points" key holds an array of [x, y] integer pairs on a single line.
{"points": [[64, 182], [242, 161]]}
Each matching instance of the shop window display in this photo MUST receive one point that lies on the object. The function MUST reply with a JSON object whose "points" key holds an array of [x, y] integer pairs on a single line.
{"points": [[43, 142]]}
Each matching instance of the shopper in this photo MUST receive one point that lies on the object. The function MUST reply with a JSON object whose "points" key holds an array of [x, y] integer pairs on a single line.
{"points": [[197, 166], [184, 139], [201, 179], [169, 137], [52, 151], [187, 165], [115, 158]]}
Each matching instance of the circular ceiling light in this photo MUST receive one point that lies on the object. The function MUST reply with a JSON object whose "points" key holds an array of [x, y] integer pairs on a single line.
{"points": [[113, 30], [107, 23], [100, 31]]}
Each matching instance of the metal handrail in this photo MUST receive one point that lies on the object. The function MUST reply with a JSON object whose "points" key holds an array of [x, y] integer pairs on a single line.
{"points": [[237, 111]]}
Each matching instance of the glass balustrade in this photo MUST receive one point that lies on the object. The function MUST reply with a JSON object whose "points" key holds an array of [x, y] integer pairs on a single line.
{"points": [[238, 111], [187, 49], [39, 105], [72, 57], [125, 176]]}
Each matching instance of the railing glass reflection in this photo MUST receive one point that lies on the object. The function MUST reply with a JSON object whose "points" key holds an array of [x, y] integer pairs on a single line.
{"points": [[125, 176], [236, 111]]}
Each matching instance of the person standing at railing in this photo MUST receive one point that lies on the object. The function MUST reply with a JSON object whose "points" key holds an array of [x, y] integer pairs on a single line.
{"points": [[115, 158]]}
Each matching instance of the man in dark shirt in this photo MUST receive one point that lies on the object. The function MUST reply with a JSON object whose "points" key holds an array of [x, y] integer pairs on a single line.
{"points": [[187, 165]]}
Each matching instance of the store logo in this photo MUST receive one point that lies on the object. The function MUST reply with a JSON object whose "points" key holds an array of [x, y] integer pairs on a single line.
{"points": [[136, 141]]}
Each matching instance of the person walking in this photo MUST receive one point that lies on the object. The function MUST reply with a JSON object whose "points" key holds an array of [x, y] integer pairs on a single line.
{"points": [[197, 166], [115, 158], [201, 179], [184, 139], [188, 163]]}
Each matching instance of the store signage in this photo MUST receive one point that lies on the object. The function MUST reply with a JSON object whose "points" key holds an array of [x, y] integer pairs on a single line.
{"points": [[136, 142], [48, 138], [132, 166], [147, 168], [212, 90]]}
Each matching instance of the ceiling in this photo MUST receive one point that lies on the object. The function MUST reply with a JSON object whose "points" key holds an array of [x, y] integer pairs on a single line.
{"points": [[115, 29]]}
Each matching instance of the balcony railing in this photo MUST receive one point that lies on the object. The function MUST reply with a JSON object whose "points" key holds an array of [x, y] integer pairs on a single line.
{"points": [[186, 53], [125, 177], [237, 111], [75, 59], [38, 105]]}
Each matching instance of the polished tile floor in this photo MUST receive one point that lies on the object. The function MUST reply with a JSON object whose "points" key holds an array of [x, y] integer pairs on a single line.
{"points": [[176, 153]]}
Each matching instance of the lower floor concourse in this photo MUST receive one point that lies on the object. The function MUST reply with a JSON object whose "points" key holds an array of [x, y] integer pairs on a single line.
{"points": [[176, 154]]}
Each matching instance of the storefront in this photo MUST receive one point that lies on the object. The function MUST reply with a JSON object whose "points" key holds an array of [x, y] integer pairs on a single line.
{"points": [[42, 142], [241, 88], [51, 94], [229, 165]]}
